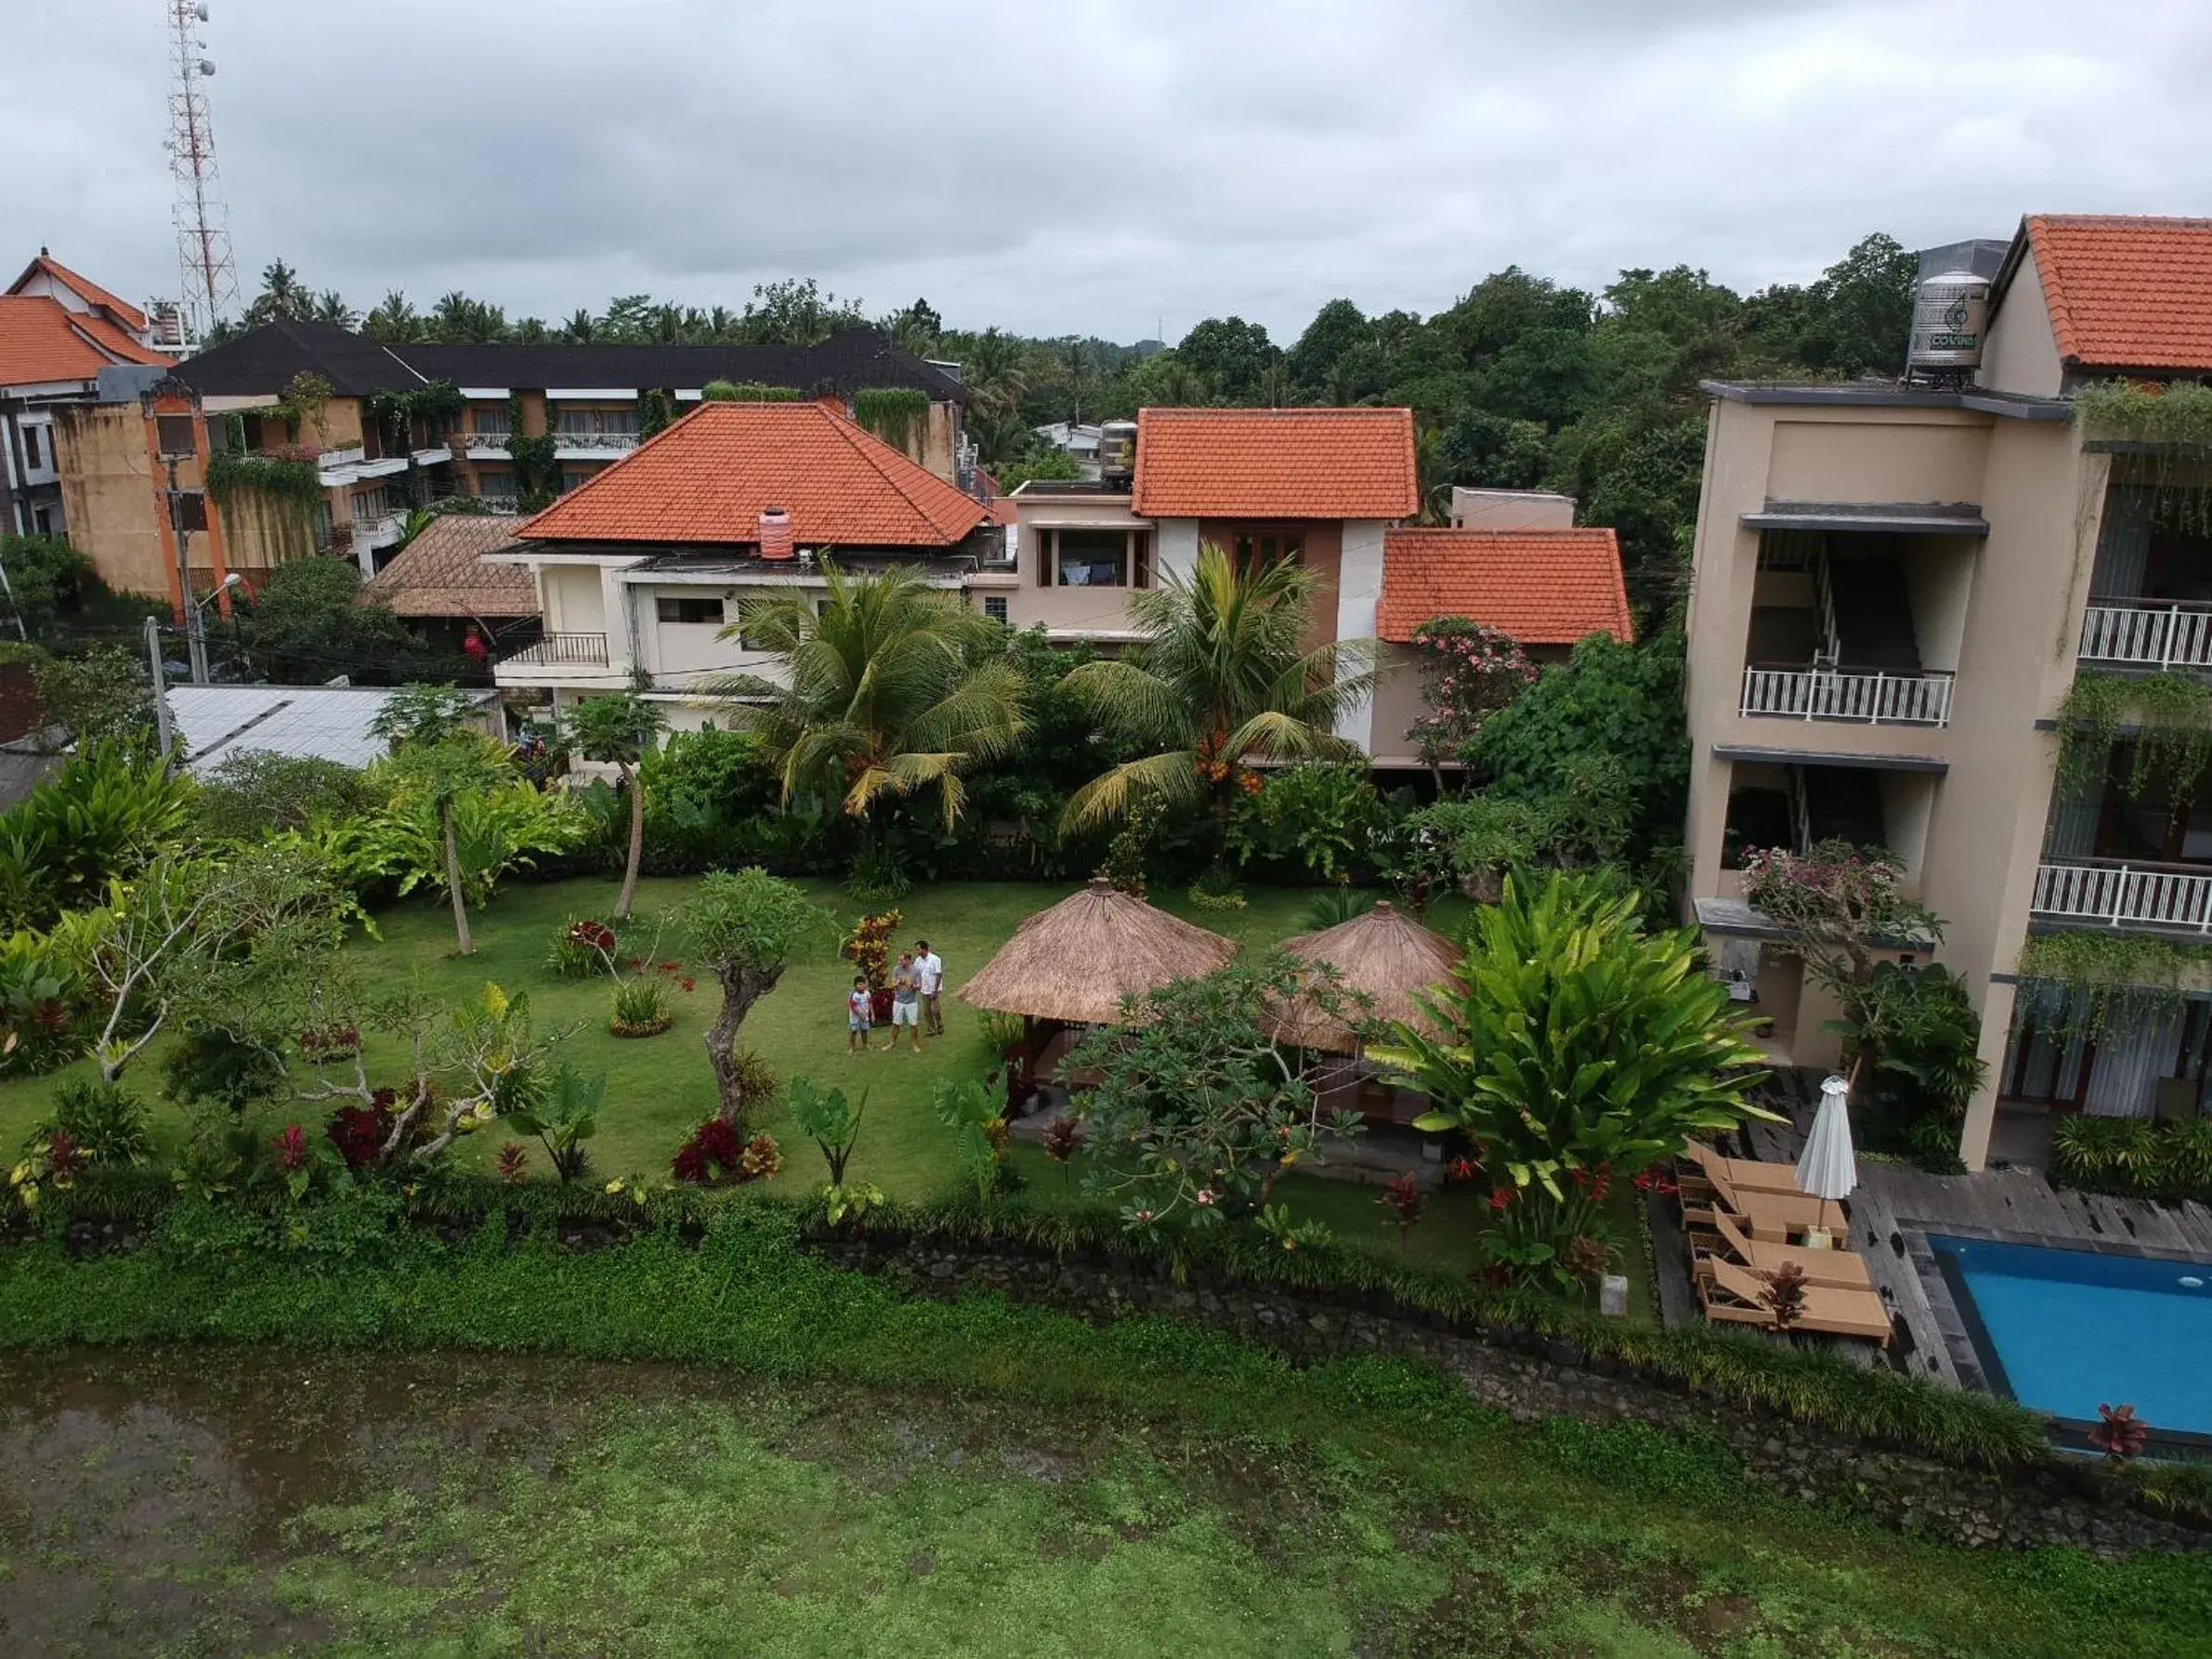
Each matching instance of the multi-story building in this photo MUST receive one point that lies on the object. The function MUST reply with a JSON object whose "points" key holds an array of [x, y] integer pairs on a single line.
{"points": [[640, 571], [392, 428], [1896, 588], [58, 332]]}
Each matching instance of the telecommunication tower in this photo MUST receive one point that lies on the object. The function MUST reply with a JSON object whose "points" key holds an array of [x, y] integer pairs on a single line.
{"points": [[209, 273]]}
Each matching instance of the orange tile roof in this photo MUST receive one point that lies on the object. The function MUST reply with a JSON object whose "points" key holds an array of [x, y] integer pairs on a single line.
{"points": [[91, 291], [2126, 292], [707, 477], [1543, 587], [1275, 463], [42, 341]]}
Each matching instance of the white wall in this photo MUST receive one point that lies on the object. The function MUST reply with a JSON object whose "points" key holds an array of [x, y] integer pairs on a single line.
{"points": [[1360, 590], [1175, 546], [1511, 510], [2019, 352]]}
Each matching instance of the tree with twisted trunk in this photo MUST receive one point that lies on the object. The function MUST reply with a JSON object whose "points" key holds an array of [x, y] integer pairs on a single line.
{"points": [[747, 926], [621, 730]]}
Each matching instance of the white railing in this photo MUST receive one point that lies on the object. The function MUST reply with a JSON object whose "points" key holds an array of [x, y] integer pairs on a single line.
{"points": [[488, 440], [499, 504], [2124, 895], [1840, 694], [594, 440], [379, 530], [2150, 636], [348, 455]]}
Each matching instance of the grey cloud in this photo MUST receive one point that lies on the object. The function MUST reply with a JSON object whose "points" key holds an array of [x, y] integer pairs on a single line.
{"points": [[1090, 166]]}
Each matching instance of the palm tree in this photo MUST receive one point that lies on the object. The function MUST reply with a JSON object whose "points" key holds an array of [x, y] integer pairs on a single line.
{"points": [[994, 371], [1223, 678], [886, 693], [394, 320], [620, 730]]}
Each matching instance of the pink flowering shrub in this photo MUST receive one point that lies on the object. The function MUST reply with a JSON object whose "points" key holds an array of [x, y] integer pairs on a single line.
{"points": [[1469, 671]]}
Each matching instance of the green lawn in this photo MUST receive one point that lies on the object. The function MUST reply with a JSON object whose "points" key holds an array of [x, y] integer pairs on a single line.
{"points": [[658, 1086]]}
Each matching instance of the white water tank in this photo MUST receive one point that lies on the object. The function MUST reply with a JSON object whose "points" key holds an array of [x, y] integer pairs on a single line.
{"points": [[1949, 314]]}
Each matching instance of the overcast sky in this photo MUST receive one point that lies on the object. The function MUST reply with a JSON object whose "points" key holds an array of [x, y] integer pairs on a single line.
{"points": [[1085, 166]]}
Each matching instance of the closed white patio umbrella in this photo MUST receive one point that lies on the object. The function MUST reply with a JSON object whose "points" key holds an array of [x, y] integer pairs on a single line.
{"points": [[1826, 1168]]}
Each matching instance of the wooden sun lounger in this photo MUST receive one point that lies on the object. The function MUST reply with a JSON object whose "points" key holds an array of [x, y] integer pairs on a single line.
{"points": [[1843, 1269], [1770, 1218], [1732, 1294], [1748, 1175]]}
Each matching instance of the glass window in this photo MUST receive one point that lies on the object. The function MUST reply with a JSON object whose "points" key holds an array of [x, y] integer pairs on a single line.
{"points": [[31, 449], [994, 607], [491, 483], [498, 421], [1092, 558], [573, 476], [670, 608]]}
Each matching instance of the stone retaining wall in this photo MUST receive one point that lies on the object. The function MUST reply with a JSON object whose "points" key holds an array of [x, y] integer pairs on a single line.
{"points": [[2057, 1501]]}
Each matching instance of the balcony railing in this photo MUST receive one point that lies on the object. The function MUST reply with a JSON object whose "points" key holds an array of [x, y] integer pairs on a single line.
{"points": [[2148, 635], [378, 530], [1843, 694], [560, 650], [488, 440], [564, 439], [2124, 896]]}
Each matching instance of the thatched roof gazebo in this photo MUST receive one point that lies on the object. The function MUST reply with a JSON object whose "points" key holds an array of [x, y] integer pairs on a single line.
{"points": [[1073, 963], [1381, 952]]}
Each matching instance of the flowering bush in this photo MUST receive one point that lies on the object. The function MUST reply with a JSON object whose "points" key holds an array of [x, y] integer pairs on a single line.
{"points": [[1469, 671], [714, 1157], [583, 947], [329, 1042]]}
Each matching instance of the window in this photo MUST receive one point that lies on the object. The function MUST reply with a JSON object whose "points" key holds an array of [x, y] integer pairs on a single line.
{"points": [[492, 422], [1092, 558], [42, 520], [31, 449], [174, 434], [591, 423], [670, 608], [192, 510], [497, 484], [1267, 547], [994, 607], [573, 476]]}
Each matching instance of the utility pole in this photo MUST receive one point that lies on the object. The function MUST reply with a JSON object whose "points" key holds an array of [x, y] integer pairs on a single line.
{"points": [[167, 732]]}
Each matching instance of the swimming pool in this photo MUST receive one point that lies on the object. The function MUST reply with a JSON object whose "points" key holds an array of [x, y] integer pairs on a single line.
{"points": [[2071, 1330]]}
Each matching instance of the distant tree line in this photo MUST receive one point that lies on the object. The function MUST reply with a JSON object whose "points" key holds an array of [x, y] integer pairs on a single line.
{"points": [[1524, 382]]}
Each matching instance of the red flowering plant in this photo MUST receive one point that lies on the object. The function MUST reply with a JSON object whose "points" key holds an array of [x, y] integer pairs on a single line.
{"points": [[1469, 671], [300, 1156], [1402, 1202], [2119, 1433], [583, 949], [362, 1132]]}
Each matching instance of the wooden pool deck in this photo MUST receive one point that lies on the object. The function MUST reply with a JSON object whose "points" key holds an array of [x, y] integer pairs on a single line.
{"points": [[1897, 1207]]}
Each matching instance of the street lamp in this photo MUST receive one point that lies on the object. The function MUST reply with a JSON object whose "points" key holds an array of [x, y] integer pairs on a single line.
{"points": [[195, 633]]}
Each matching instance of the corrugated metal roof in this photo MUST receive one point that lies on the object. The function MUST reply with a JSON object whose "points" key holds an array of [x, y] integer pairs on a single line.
{"points": [[319, 722]]}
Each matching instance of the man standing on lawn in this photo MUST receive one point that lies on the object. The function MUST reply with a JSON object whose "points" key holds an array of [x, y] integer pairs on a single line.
{"points": [[930, 966], [906, 1001]]}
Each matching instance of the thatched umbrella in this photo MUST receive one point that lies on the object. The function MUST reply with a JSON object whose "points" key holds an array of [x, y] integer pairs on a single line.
{"points": [[1073, 963], [1381, 952]]}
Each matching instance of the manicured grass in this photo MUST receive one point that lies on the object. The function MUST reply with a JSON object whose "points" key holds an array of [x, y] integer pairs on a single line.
{"points": [[658, 1086]]}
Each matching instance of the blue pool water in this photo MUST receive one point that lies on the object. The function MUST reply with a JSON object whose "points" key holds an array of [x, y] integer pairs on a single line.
{"points": [[2075, 1329]]}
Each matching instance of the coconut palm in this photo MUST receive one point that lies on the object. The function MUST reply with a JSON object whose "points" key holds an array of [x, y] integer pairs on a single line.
{"points": [[1224, 678], [619, 729], [885, 695]]}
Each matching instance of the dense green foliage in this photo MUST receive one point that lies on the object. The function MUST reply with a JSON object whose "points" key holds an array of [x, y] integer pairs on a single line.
{"points": [[308, 624], [1573, 1050], [2135, 1156]]}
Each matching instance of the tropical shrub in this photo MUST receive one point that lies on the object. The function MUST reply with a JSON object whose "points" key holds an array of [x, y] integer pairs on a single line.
{"points": [[1574, 1049], [641, 1007], [1318, 820], [361, 1131], [582, 947], [706, 794], [868, 947], [1198, 1111], [1470, 843], [497, 830], [1608, 722], [40, 993], [1921, 1034], [257, 791], [2134, 1156], [105, 814], [716, 1156], [213, 1064], [564, 1117], [105, 1122], [974, 1110]]}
